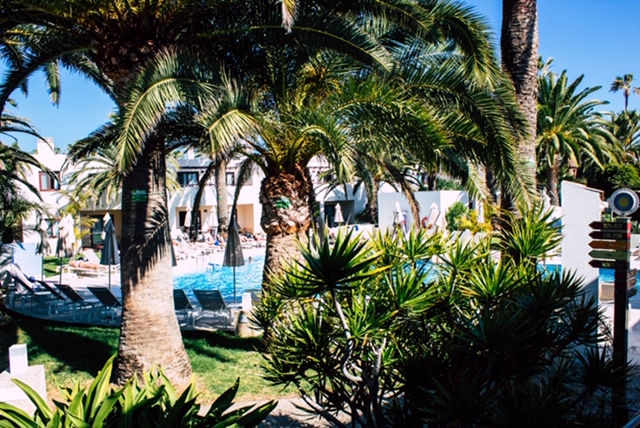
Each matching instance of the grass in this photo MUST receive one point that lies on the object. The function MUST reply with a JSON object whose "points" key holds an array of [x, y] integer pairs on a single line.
{"points": [[72, 353], [51, 265]]}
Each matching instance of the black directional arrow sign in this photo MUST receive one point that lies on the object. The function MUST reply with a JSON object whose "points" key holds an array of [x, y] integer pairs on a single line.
{"points": [[616, 235], [610, 264], [610, 225]]}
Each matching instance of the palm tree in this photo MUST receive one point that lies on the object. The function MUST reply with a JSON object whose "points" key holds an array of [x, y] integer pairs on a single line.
{"points": [[569, 131], [623, 83], [367, 117], [519, 52], [117, 45], [625, 126], [289, 81], [15, 203]]}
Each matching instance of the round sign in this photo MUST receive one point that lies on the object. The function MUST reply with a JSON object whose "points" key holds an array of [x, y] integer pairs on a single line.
{"points": [[624, 202]]}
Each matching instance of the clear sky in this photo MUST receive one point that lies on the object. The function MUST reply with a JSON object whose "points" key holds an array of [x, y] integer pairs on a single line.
{"points": [[597, 38]]}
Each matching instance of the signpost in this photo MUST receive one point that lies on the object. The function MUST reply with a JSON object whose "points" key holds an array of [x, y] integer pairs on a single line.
{"points": [[611, 250], [617, 235], [610, 245]]}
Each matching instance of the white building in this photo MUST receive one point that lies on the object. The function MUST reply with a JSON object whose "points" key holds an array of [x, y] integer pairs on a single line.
{"points": [[191, 169]]}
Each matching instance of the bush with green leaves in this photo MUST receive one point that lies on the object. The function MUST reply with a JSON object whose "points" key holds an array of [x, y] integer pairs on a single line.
{"points": [[151, 402], [372, 329], [457, 212]]}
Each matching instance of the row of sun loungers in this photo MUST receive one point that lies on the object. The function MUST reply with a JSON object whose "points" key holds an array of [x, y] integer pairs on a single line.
{"points": [[61, 299], [62, 302]]}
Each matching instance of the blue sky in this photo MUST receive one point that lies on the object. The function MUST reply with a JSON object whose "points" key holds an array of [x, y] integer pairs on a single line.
{"points": [[597, 38]]}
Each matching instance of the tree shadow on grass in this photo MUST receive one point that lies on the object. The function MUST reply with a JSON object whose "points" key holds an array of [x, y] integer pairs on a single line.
{"points": [[78, 348], [222, 340], [8, 337], [84, 348]]}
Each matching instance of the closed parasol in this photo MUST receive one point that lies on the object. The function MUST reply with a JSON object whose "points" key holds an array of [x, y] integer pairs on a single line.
{"points": [[233, 251], [110, 255]]}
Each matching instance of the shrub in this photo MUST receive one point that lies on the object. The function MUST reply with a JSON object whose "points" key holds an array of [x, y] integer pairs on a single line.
{"points": [[153, 402], [472, 223], [371, 329], [456, 213]]}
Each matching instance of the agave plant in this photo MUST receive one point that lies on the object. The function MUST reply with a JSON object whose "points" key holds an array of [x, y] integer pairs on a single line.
{"points": [[150, 402]]}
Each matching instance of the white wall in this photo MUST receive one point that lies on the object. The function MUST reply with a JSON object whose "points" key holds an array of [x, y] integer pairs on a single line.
{"points": [[580, 206], [51, 200], [444, 199]]}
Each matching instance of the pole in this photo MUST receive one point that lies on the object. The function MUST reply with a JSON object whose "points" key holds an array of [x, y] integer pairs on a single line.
{"points": [[234, 284], [621, 334]]}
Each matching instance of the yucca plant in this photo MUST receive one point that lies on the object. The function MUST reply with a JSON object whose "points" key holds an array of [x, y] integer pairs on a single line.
{"points": [[149, 402], [372, 329], [530, 235]]}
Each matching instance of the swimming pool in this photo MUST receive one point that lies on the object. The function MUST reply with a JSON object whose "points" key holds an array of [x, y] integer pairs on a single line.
{"points": [[249, 277], [217, 277], [606, 275]]}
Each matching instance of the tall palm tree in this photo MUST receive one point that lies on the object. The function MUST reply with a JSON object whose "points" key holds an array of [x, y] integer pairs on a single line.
{"points": [[625, 126], [117, 44], [368, 115], [623, 83], [16, 193], [519, 52], [15, 163], [291, 101], [569, 131]]}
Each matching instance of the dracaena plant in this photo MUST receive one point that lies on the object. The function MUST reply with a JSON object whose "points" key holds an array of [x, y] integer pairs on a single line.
{"points": [[396, 330]]}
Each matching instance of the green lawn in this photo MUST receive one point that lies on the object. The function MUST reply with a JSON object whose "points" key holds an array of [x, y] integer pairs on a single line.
{"points": [[72, 353]]}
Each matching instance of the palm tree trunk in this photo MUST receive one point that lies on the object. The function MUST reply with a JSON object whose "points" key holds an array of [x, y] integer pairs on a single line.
{"points": [[407, 190], [432, 180], [519, 51], [553, 177], [221, 192], [286, 199], [150, 334], [373, 199]]}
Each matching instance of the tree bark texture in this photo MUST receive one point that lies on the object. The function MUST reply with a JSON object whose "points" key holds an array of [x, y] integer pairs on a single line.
{"points": [[286, 216], [519, 51], [150, 335], [373, 199], [553, 179]]}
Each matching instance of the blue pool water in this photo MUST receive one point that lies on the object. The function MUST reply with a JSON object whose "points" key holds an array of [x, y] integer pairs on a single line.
{"points": [[249, 277], [606, 275], [216, 277]]}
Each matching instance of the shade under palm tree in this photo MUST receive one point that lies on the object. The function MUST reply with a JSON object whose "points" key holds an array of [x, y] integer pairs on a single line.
{"points": [[110, 255], [233, 251]]}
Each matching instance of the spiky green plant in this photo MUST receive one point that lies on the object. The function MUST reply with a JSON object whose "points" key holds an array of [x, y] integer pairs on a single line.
{"points": [[149, 402], [368, 327]]}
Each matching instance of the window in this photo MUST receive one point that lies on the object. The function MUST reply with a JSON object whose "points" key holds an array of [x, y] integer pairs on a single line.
{"points": [[231, 179], [48, 183], [188, 179], [96, 230]]}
